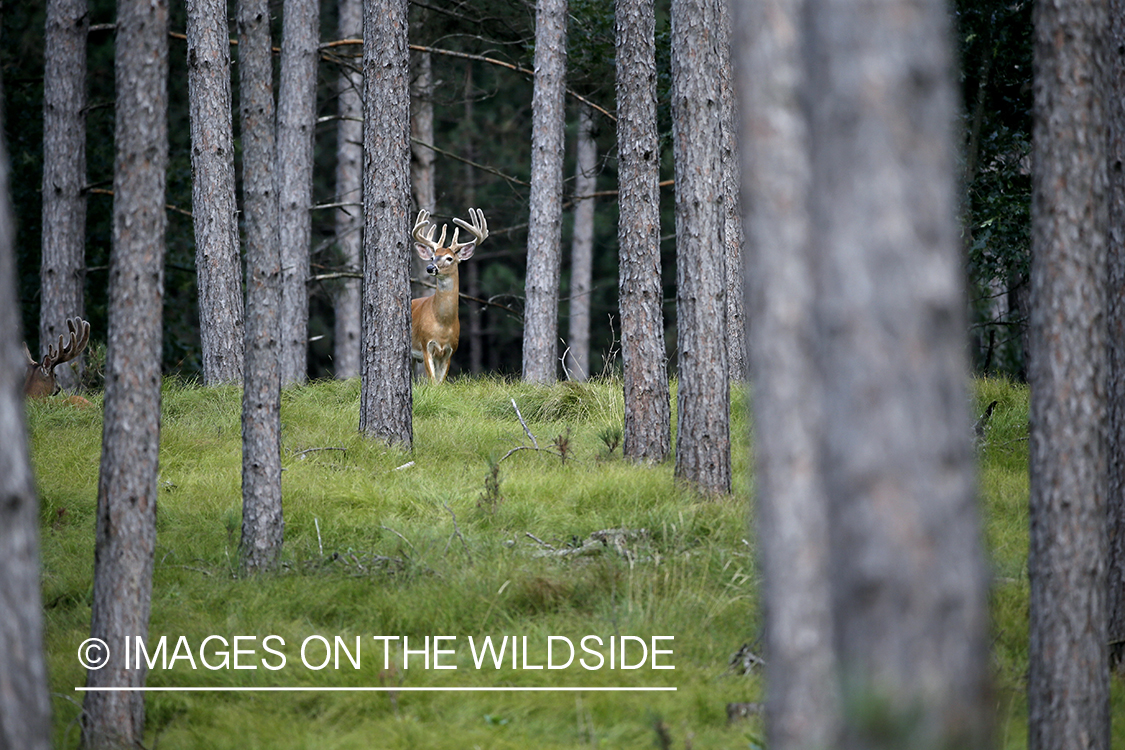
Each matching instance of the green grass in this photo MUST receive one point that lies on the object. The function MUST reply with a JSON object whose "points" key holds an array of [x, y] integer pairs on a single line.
{"points": [[374, 549]]}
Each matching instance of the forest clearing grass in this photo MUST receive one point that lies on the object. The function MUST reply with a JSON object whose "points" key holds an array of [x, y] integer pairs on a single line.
{"points": [[376, 547]]}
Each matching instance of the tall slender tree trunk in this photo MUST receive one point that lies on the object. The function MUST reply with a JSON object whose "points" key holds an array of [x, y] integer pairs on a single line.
{"points": [[703, 396], [732, 212], [421, 156], [63, 271], [262, 522], [582, 246], [127, 482], [544, 234], [1068, 677], [1115, 314], [213, 203], [296, 131], [349, 189], [386, 400], [908, 578], [25, 703], [472, 270], [647, 426], [802, 709]]}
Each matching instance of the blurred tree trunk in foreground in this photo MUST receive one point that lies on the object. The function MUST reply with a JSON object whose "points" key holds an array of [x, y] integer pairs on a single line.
{"points": [[582, 246], [802, 709]]}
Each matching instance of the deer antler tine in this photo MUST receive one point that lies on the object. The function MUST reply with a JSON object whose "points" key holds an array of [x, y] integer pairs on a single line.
{"points": [[27, 353]]}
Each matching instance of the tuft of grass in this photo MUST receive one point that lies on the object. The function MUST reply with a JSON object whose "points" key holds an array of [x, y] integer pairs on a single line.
{"points": [[372, 548]]}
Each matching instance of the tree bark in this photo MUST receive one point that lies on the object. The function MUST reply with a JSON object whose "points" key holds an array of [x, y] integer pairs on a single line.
{"points": [[262, 521], [732, 212], [1068, 677], [802, 709], [127, 483], [214, 206], [647, 430], [296, 131], [472, 270], [582, 246], [63, 270], [386, 400], [1115, 314], [544, 234], [908, 578], [349, 189], [421, 132], [703, 396], [25, 702]]}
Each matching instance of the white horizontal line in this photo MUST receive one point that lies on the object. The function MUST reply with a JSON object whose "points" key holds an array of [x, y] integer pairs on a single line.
{"points": [[376, 689]]}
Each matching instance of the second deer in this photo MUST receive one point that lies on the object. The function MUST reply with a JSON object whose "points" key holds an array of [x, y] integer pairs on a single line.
{"points": [[435, 329], [40, 379]]}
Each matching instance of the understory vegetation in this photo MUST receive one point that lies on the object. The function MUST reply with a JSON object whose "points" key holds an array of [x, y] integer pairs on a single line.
{"points": [[477, 533]]}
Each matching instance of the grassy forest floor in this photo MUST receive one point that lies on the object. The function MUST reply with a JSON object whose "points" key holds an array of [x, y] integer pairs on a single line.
{"points": [[468, 541]]}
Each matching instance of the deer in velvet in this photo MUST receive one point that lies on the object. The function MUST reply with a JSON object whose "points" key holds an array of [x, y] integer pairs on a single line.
{"points": [[434, 327], [40, 379]]}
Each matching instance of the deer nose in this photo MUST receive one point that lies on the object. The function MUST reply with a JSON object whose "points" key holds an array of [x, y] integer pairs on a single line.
{"points": [[431, 270]]}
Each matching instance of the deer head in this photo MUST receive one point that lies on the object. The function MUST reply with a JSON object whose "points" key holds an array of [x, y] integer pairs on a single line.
{"points": [[40, 379]]}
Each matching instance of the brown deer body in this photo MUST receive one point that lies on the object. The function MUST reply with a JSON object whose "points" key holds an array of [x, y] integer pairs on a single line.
{"points": [[40, 379], [435, 328]]}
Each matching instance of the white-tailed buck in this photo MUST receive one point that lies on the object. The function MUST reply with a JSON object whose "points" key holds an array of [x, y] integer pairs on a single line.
{"points": [[40, 379], [435, 328]]}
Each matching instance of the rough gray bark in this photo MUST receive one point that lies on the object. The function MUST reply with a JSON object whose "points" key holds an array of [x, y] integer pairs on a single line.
{"points": [[647, 427], [262, 522], [1068, 676], [386, 400], [25, 703], [544, 233], [472, 270], [213, 205], [296, 131], [732, 211], [63, 270], [1115, 313], [582, 246], [349, 189], [908, 579], [802, 710], [703, 396], [127, 482]]}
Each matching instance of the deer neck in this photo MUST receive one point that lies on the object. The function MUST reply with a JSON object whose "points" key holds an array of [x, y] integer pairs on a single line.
{"points": [[446, 296]]}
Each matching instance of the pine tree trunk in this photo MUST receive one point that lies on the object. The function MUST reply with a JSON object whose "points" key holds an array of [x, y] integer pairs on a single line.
{"points": [[802, 712], [296, 131], [1068, 677], [1115, 315], [349, 189], [544, 233], [582, 247], [63, 271], [25, 703], [732, 211], [213, 205], [472, 270], [703, 396], [386, 399], [262, 522], [908, 578], [421, 157], [127, 483], [647, 431]]}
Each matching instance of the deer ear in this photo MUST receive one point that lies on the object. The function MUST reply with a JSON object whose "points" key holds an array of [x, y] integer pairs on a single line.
{"points": [[425, 253], [466, 252], [27, 353]]}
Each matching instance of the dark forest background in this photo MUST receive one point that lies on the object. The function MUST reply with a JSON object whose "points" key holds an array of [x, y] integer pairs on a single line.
{"points": [[482, 114]]}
